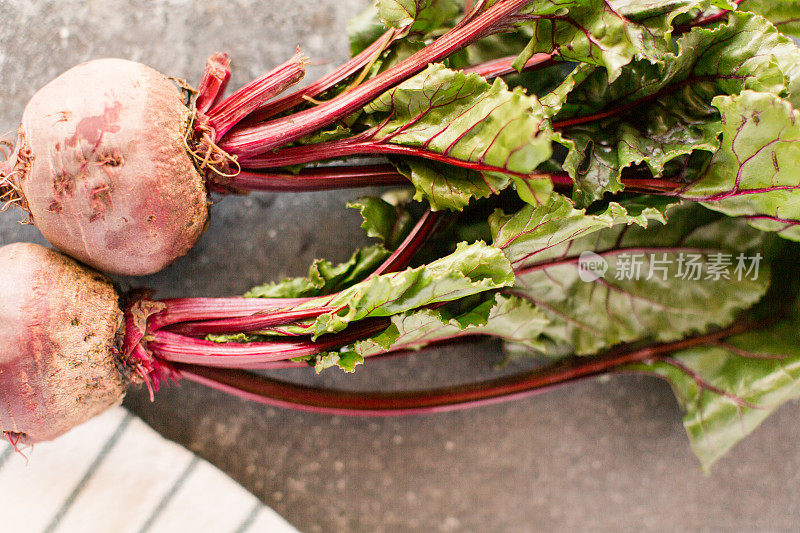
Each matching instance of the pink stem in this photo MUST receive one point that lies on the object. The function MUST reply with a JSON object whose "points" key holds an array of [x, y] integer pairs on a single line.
{"points": [[502, 66], [357, 62], [643, 185], [201, 316], [402, 256], [213, 83], [289, 395], [313, 179], [345, 403], [191, 309], [651, 185], [356, 176], [230, 111], [246, 324], [359, 145], [252, 355], [282, 365], [561, 179], [249, 141]]}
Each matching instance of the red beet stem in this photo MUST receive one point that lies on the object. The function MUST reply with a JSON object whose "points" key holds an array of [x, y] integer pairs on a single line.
{"points": [[562, 180], [503, 66], [354, 146], [289, 395], [213, 83], [356, 176], [651, 185], [402, 256], [314, 179], [257, 322], [202, 316], [192, 309], [230, 111], [251, 140], [286, 102], [252, 355]]}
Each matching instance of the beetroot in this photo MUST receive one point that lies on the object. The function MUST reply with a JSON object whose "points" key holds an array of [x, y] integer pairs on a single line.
{"points": [[104, 170], [60, 325], [112, 156]]}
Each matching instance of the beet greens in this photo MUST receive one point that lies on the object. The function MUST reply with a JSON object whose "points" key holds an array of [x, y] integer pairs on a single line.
{"points": [[609, 185]]}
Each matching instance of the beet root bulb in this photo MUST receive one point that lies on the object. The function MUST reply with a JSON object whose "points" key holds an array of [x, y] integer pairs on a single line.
{"points": [[60, 331], [103, 166]]}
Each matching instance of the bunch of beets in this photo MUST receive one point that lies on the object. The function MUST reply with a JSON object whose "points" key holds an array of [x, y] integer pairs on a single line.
{"points": [[610, 186]]}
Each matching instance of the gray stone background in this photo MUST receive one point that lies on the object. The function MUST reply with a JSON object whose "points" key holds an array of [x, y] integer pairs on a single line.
{"points": [[607, 455]]}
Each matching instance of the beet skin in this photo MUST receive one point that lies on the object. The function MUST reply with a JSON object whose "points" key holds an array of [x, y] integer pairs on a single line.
{"points": [[103, 167], [60, 327]]}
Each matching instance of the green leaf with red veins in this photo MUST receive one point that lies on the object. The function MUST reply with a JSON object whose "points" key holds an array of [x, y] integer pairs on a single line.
{"points": [[534, 231], [463, 117], [736, 384], [756, 172], [601, 287], [601, 32], [508, 318], [655, 113], [471, 269], [784, 14], [448, 187]]}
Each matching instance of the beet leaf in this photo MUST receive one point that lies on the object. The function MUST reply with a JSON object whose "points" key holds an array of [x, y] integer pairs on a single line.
{"points": [[728, 388], [655, 113], [754, 174], [660, 282]]}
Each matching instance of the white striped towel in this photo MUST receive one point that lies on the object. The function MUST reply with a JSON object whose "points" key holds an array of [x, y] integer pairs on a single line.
{"points": [[115, 474]]}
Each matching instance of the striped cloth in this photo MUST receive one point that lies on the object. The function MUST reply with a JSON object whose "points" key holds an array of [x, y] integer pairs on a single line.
{"points": [[115, 473]]}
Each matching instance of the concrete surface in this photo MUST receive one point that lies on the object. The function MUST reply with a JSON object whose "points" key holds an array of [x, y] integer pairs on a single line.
{"points": [[596, 456]]}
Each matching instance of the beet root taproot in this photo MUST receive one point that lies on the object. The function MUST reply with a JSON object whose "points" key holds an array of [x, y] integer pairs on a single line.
{"points": [[103, 167], [60, 330]]}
